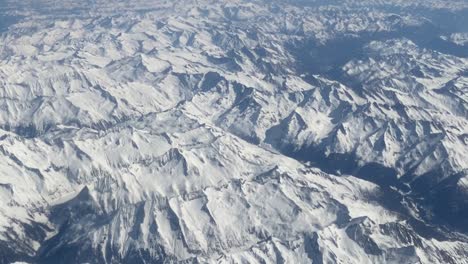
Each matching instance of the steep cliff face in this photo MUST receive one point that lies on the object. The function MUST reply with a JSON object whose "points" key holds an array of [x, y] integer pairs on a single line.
{"points": [[233, 132]]}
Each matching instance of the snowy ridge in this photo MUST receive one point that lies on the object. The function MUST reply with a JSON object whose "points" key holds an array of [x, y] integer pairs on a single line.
{"points": [[228, 131]]}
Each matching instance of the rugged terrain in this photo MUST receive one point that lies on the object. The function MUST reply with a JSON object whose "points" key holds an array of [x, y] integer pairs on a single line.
{"points": [[233, 131]]}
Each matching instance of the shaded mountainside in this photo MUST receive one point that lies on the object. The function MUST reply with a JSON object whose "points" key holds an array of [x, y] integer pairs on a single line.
{"points": [[233, 132]]}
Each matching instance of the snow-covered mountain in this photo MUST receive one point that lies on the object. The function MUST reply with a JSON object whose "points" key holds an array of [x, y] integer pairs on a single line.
{"points": [[202, 131]]}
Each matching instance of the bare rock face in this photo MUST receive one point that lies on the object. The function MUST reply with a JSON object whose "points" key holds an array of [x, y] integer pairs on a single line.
{"points": [[243, 131]]}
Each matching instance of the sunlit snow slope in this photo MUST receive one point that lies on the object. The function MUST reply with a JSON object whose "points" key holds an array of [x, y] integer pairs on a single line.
{"points": [[233, 131]]}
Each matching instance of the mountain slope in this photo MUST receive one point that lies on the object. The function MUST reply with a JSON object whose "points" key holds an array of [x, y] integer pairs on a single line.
{"points": [[233, 132]]}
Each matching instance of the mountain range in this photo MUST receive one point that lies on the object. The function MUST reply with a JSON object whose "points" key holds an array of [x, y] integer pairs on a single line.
{"points": [[243, 131]]}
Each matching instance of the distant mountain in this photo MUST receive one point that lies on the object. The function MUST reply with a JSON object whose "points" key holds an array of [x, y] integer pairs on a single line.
{"points": [[233, 131]]}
